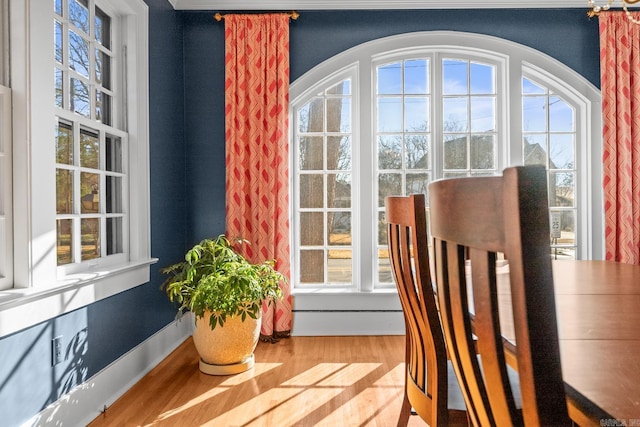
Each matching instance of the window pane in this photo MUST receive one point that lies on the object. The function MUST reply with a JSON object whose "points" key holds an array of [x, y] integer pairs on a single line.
{"points": [[339, 190], [89, 197], [64, 241], [384, 267], [103, 108], [311, 266], [561, 151], [483, 114], [311, 191], [57, 7], [114, 194], [482, 79], [339, 153], [390, 114], [560, 115], [89, 149], [390, 152], [455, 114], [416, 80], [79, 97], [103, 28], [535, 149], [455, 152], [534, 111], [114, 236], [339, 228], [79, 14], [64, 144], [417, 152], [90, 228], [113, 157], [311, 116], [59, 88], [342, 88], [417, 183], [454, 77], [311, 153], [64, 191], [561, 189], [389, 184], [311, 226], [483, 152], [339, 266], [339, 115], [416, 114], [382, 230], [390, 79], [455, 175], [79, 54], [563, 233], [530, 88], [103, 69], [58, 41]]}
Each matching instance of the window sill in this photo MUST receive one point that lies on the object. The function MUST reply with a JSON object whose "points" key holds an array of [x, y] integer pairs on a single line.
{"points": [[346, 300], [22, 308]]}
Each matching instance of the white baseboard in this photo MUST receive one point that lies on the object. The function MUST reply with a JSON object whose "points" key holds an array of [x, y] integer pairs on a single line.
{"points": [[328, 323], [85, 402]]}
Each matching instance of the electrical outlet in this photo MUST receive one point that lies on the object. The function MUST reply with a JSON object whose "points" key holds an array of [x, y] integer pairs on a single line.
{"points": [[56, 350]]}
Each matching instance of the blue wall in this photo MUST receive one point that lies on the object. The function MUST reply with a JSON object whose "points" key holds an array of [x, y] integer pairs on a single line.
{"points": [[565, 34], [187, 165]]}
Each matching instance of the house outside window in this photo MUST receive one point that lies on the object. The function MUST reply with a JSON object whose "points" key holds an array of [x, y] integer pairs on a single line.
{"points": [[390, 116]]}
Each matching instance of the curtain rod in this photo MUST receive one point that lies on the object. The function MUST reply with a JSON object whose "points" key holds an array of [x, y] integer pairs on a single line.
{"points": [[293, 15]]}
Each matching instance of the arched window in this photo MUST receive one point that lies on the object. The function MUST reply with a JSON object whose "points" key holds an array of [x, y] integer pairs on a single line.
{"points": [[390, 116]]}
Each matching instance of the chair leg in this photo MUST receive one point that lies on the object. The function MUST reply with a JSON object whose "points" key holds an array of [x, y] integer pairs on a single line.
{"points": [[405, 411]]}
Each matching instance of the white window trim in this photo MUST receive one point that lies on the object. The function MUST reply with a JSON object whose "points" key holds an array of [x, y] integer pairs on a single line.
{"points": [[37, 293], [6, 228], [516, 58]]}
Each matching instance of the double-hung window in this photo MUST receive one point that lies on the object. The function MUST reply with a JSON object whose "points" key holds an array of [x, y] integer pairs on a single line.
{"points": [[91, 141], [390, 116], [79, 104]]}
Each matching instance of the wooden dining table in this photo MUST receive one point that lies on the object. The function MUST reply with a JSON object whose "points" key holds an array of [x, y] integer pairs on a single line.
{"points": [[598, 312]]}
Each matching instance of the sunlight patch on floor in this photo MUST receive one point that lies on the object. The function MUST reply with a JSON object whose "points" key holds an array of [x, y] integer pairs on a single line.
{"points": [[276, 407], [258, 369], [224, 386], [314, 375], [349, 375]]}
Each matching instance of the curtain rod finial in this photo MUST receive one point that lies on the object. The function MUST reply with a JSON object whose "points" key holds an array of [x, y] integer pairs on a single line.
{"points": [[218, 16]]}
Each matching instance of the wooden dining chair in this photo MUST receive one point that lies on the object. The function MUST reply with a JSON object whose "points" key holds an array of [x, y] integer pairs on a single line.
{"points": [[430, 384], [473, 221]]}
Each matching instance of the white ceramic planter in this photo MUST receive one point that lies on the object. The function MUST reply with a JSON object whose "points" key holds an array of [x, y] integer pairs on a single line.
{"points": [[228, 349]]}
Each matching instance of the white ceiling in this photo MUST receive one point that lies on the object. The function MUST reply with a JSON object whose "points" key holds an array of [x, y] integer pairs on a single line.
{"points": [[373, 4]]}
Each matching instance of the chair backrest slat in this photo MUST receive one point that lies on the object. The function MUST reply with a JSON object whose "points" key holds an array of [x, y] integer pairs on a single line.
{"points": [[474, 221], [426, 376]]}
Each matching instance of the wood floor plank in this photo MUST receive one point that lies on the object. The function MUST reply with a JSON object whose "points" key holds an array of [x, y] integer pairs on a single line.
{"points": [[298, 381]]}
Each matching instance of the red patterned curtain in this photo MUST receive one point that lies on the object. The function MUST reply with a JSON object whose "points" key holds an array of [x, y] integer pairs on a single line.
{"points": [[620, 85], [257, 120]]}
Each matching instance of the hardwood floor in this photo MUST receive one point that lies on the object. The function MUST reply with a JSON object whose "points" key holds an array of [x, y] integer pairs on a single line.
{"points": [[299, 381]]}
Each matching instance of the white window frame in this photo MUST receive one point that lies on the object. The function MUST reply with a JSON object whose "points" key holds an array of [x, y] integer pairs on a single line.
{"points": [[39, 290], [6, 201], [511, 58]]}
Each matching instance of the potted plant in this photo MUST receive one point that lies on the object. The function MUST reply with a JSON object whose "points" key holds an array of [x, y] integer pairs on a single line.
{"points": [[225, 293]]}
